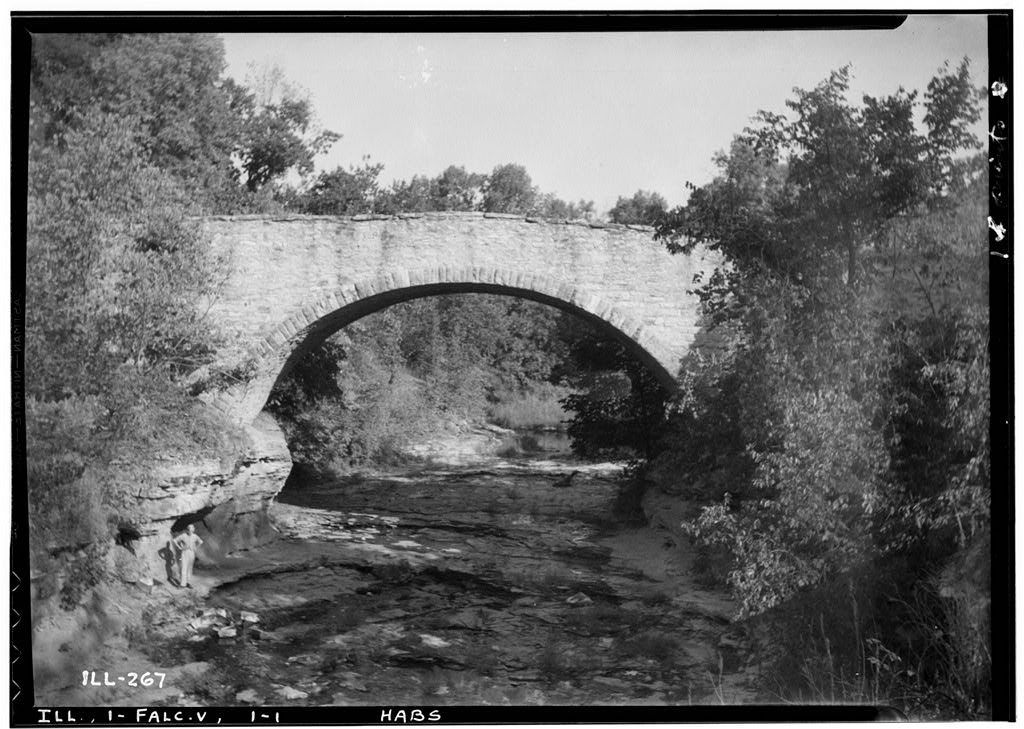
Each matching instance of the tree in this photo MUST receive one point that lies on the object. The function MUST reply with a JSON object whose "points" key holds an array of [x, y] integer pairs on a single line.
{"points": [[825, 184], [62, 78], [644, 208], [618, 406], [399, 372], [278, 134], [456, 189], [811, 213], [509, 189], [115, 269], [118, 283], [170, 83], [343, 192], [130, 135], [552, 206], [415, 196], [193, 123]]}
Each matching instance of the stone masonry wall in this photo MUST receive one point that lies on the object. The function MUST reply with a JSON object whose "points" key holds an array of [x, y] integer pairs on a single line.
{"points": [[297, 279]]}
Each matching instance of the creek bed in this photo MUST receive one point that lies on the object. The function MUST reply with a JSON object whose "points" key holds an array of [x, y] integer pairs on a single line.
{"points": [[483, 584]]}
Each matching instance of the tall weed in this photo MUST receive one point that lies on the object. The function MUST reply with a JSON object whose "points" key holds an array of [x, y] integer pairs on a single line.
{"points": [[536, 407]]}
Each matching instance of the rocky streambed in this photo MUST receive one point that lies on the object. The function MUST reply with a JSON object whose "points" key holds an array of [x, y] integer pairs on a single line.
{"points": [[483, 580], [492, 583]]}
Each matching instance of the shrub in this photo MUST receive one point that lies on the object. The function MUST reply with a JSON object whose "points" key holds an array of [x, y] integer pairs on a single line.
{"points": [[882, 639], [66, 501], [85, 572], [536, 407]]}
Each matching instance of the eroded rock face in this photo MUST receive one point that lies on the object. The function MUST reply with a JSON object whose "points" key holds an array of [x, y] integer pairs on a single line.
{"points": [[226, 502]]}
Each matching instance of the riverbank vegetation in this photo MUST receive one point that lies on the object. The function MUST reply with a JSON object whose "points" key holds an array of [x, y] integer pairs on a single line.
{"points": [[840, 438]]}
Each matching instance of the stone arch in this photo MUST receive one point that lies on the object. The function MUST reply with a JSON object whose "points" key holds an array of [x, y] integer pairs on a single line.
{"points": [[275, 352]]}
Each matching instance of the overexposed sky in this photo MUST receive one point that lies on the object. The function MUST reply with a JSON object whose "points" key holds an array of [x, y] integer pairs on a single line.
{"points": [[590, 115]]}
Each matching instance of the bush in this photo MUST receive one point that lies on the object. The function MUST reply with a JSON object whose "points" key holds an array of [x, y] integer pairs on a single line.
{"points": [[65, 495], [537, 407], [85, 572], [880, 637]]}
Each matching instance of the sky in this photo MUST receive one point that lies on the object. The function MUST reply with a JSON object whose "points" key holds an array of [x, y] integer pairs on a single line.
{"points": [[591, 116]]}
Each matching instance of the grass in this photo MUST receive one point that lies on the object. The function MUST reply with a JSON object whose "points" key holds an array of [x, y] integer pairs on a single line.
{"points": [[717, 685], [538, 407], [868, 642]]}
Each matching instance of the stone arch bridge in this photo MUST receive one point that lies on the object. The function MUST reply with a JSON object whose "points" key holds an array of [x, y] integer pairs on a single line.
{"points": [[295, 280]]}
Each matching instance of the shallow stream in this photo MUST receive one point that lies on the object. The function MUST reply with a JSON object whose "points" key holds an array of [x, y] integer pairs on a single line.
{"points": [[492, 583]]}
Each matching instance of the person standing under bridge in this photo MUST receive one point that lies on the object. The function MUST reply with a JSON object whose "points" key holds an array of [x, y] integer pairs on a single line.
{"points": [[186, 544]]}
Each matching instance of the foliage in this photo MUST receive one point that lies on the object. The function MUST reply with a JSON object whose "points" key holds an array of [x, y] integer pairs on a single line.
{"points": [[274, 141], [644, 208], [65, 496], [457, 189], [169, 83], [536, 406], [343, 192], [555, 208], [358, 191], [198, 127], [877, 636], [417, 195], [387, 378], [84, 574], [130, 136], [805, 196], [277, 130], [814, 403], [849, 408], [617, 406], [114, 268], [509, 189]]}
